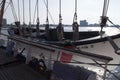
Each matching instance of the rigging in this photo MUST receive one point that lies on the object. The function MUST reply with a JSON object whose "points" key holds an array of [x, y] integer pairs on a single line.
{"points": [[49, 12], [23, 13], [104, 17], [37, 26], [34, 13], [18, 10], [47, 30], [114, 24], [75, 24], [60, 27], [13, 11], [2, 5]]}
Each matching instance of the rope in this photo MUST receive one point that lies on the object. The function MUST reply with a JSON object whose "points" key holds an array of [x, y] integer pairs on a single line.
{"points": [[47, 24], [7, 7], [30, 31], [29, 11], [37, 10], [34, 13], [47, 9], [23, 12], [18, 10], [75, 14], [113, 24], [60, 17], [1, 4], [75, 24], [49, 12], [75, 6], [107, 70], [105, 8], [104, 17], [13, 11]]}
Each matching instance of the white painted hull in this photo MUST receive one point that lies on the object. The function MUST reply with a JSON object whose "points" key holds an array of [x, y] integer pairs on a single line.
{"points": [[103, 48]]}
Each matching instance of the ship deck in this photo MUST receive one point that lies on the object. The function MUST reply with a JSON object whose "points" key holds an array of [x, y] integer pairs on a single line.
{"points": [[12, 69], [6, 58], [20, 72]]}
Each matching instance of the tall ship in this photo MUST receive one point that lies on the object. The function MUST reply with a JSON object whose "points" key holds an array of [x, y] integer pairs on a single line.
{"points": [[52, 53]]}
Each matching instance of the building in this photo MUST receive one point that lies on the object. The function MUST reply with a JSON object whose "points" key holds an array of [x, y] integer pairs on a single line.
{"points": [[83, 23]]}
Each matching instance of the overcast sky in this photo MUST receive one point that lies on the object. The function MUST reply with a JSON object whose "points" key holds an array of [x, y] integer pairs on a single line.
{"points": [[89, 10]]}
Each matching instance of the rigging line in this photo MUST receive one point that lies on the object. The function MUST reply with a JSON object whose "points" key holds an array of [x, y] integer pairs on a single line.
{"points": [[105, 8], [34, 13], [13, 11], [1, 3], [113, 24], [37, 10], [60, 7], [23, 13], [47, 20], [49, 12], [60, 17], [75, 6], [19, 10], [47, 9], [75, 14], [107, 70], [103, 14], [29, 11], [94, 64], [7, 7]]}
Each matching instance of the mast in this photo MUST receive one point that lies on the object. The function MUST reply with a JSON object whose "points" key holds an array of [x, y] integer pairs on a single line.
{"points": [[37, 26], [60, 27], [2, 6], [17, 22], [19, 10], [75, 24], [104, 17], [23, 13], [47, 29], [30, 31]]}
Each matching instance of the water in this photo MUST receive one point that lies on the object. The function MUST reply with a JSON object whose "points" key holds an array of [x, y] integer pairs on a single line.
{"points": [[108, 30]]}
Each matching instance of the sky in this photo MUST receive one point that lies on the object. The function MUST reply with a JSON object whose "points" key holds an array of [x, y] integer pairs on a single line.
{"points": [[89, 10]]}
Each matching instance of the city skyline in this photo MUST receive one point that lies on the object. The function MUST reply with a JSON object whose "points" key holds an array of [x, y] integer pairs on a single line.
{"points": [[83, 23]]}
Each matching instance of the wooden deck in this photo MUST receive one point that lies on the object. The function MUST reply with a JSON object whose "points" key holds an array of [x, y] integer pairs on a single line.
{"points": [[11, 69], [6, 58], [19, 72]]}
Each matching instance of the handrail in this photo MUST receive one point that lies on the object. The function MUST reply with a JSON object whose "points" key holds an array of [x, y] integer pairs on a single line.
{"points": [[53, 48]]}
